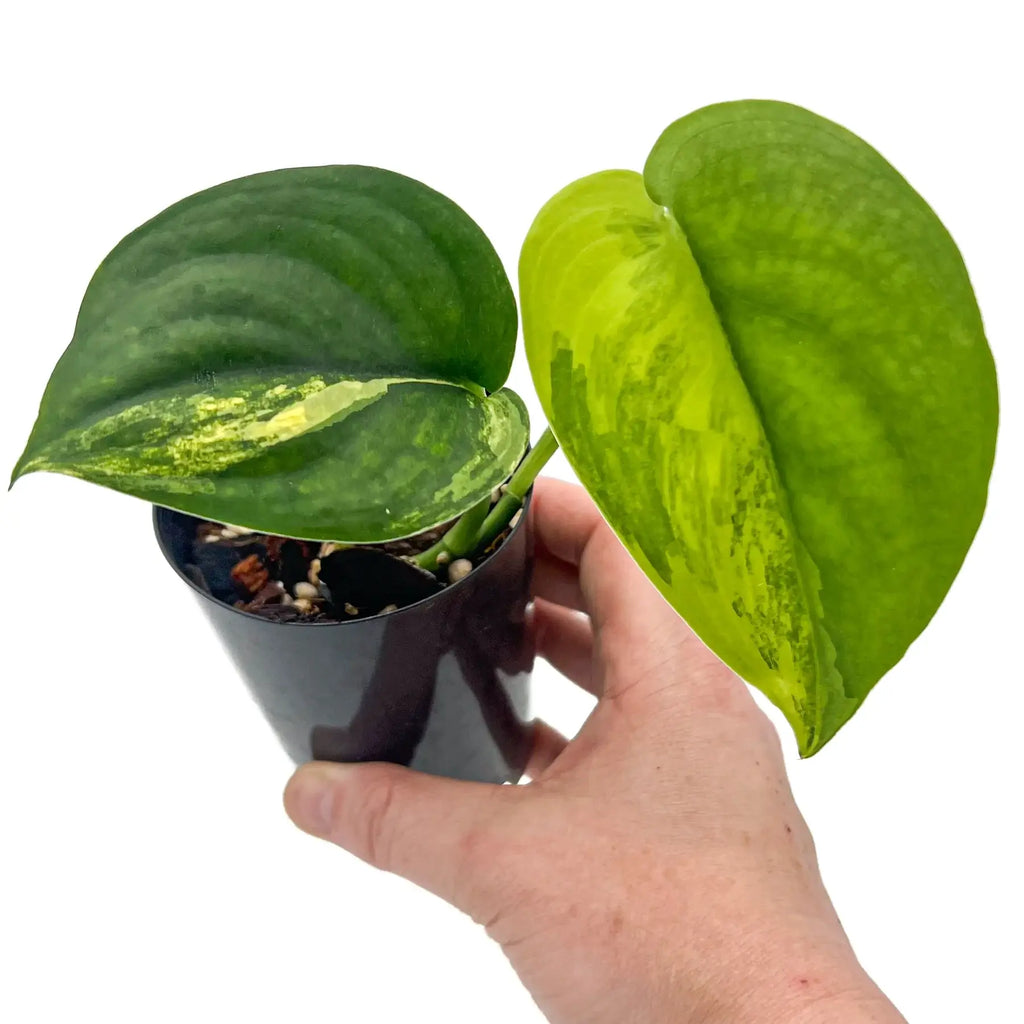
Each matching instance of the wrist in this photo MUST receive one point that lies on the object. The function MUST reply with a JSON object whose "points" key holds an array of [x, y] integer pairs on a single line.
{"points": [[861, 1003], [797, 982], [822, 1001]]}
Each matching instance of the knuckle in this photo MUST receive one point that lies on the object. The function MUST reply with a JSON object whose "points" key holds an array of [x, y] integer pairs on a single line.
{"points": [[478, 848], [719, 691], [769, 735], [369, 814], [486, 864]]}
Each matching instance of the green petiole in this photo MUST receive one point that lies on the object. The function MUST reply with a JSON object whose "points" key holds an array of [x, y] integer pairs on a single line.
{"points": [[482, 524]]}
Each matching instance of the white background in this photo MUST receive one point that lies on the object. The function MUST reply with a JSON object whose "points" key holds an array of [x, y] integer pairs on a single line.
{"points": [[148, 871]]}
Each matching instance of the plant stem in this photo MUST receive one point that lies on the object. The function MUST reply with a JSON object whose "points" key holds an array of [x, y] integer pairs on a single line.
{"points": [[479, 527], [515, 490], [534, 461], [458, 540]]}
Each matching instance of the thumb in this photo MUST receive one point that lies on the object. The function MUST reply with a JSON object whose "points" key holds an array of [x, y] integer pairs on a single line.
{"points": [[427, 829]]}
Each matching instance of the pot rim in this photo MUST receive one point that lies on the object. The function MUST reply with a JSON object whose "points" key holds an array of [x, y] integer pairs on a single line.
{"points": [[350, 622]]}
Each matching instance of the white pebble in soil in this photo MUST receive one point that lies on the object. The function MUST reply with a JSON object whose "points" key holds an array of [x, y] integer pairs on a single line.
{"points": [[303, 604], [305, 590], [459, 570]]}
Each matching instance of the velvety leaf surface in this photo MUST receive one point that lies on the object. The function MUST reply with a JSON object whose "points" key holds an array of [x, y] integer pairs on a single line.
{"points": [[765, 361], [306, 352]]}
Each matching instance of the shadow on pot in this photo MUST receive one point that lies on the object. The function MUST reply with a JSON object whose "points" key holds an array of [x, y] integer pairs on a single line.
{"points": [[441, 685]]}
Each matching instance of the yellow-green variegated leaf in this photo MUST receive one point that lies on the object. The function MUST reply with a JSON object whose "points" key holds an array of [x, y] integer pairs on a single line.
{"points": [[314, 352], [765, 362]]}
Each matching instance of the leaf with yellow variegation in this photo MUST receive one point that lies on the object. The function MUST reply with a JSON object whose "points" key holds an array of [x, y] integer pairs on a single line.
{"points": [[764, 360], [314, 352]]}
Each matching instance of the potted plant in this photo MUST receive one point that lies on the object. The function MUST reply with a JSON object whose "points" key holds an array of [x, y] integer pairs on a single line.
{"points": [[762, 357]]}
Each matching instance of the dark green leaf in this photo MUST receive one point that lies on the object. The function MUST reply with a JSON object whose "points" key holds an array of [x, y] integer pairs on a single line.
{"points": [[304, 352]]}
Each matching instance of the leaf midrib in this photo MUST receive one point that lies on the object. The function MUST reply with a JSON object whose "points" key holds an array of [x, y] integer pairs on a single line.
{"points": [[785, 504], [96, 416]]}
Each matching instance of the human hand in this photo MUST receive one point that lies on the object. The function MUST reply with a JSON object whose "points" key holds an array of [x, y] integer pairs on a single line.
{"points": [[656, 868]]}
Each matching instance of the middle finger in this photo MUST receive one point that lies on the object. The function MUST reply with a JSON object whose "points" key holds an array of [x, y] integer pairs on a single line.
{"points": [[556, 581]]}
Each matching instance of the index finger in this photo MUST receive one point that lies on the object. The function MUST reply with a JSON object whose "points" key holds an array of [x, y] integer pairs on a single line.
{"points": [[639, 633], [569, 527], [564, 518]]}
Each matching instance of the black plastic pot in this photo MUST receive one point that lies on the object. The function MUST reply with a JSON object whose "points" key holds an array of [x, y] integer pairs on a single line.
{"points": [[441, 685]]}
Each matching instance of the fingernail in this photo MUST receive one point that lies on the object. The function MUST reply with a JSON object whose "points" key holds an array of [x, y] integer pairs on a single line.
{"points": [[309, 797]]}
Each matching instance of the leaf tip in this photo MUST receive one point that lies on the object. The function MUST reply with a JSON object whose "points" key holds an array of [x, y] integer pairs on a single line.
{"points": [[813, 737], [21, 468], [807, 747]]}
